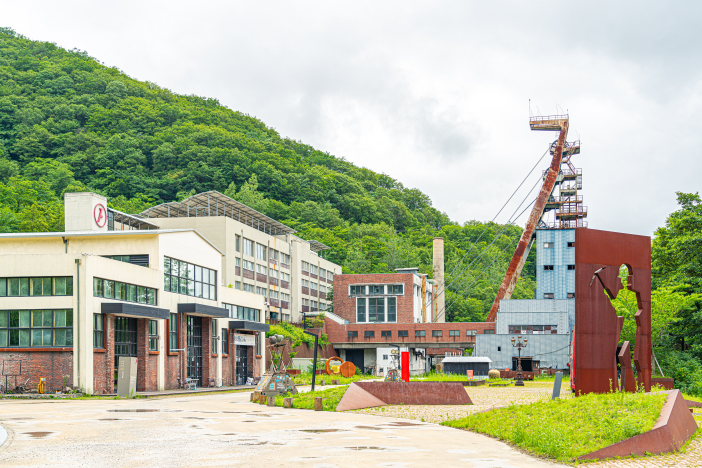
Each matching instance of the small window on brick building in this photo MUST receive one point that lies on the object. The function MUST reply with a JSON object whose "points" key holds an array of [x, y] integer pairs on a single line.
{"points": [[369, 333], [471, 332], [98, 331], [571, 244], [548, 267], [420, 333], [454, 333], [353, 334], [571, 295], [386, 333], [153, 335], [402, 333], [548, 295], [437, 333], [488, 332]]}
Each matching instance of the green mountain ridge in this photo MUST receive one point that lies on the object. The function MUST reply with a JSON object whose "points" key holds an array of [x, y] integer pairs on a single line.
{"points": [[69, 123]]}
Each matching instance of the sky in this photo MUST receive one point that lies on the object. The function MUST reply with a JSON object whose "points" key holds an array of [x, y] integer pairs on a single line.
{"points": [[436, 94]]}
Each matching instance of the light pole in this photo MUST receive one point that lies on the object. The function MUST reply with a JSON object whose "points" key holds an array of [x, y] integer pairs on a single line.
{"points": [[519, 345]]}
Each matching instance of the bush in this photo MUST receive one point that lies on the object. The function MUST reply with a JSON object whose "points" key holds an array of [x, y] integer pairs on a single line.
{"points": [[684, 368], [493, 374]]}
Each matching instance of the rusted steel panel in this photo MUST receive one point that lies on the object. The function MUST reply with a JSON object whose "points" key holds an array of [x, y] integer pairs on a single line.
{"points": [[368, 394], [522, 251], [598, 256]]}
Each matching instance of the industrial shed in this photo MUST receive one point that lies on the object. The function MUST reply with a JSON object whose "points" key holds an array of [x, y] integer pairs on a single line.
{"points": [[460, 364]]}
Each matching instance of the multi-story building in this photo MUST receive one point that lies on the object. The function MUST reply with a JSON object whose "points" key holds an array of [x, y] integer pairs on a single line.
{"points": [[186, 296], [261, 255]]}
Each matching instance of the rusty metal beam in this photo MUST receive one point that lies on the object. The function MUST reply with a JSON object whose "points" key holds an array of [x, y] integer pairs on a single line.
{"points": [[525, 242]]}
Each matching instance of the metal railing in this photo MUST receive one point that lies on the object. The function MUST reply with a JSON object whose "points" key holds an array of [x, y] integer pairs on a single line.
{"points": [[575, 209], [542, 118], [564, 224], [566, 199]]}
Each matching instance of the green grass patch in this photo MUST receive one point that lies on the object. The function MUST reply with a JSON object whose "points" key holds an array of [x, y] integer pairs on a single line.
{"points": [[305, 378], [331, 398], [567, 429]]}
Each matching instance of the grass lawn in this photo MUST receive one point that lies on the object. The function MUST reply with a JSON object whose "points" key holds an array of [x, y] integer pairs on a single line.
{"points": [[306, 378], [331, 398], [567, 429]]}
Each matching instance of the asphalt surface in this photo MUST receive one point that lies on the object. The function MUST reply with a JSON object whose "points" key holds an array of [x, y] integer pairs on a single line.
{"points": [[227, 430]]}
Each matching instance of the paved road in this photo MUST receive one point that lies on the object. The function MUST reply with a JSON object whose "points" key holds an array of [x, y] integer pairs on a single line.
{"points": [[226, 430]]}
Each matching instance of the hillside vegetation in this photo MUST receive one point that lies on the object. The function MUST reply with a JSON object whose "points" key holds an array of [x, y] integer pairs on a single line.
{"points": [[69, 123]]}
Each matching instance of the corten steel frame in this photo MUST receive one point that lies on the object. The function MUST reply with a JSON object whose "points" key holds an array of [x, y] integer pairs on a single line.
{"points": [[598, 257], [558, 123]]}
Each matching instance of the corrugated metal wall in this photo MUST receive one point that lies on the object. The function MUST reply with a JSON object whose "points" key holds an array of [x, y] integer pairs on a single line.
{"points": [[551, 350]]}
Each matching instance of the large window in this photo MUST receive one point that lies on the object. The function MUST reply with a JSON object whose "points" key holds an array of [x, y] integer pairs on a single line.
{"points": [[397, 289], [361, 309], [392, 309], [376, 309], [153, 335], [242, 313], [248, 247], [237, 242], [123, 291], [214, 336], [46, 286], [284, 258], [313, 269], [36, 328], [261, 252], [173, 332], [376, 290], [357, 290], [191, 280], [98, 331], [305, 266], [225, 341]]}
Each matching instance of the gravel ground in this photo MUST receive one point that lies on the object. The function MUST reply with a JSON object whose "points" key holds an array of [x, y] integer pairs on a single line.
{"points": [[486, 398]]}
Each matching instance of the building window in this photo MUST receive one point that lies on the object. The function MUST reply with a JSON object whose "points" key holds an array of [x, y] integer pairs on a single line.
{"points": [[248, 265], [237, 285], [284, 258], [285, 297], [499, 348], [242, 313], [369, 334], [361, 309], [358, 290], [173, 332], [123, 291], [571, 267], [396, 289], [376, 310], [323, 273], [261, 291], [273, 273], [385, 357], [261, 252], [225, 341], [305, 284], [376, 290], [571, 244], [454, 333], [98, 331], [258, 344], [420, 333], [386, 334], [532, 329], [305, 266], [249, 288], [330, 276], [314, 286], [273, 254], [548, 267], [261, 269], [140, 260], [284, 276], [548, 245], [548, 295], [392, 309], [237, 243], [403, 333], [353, 334], [248, 247], [214, 335], [471, 332], [188, 279], [36, 328], [48, 286], [571, 295], [153, 335], [437, 333], [488, 332], [313, 269]]}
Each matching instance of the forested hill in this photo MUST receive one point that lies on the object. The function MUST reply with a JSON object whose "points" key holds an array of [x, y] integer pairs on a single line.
{"points": [[69, 123]]}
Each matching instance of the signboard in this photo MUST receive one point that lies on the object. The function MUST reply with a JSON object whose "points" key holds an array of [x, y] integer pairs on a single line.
{"points": [[469, 374], [244, 340], [100, 215]]}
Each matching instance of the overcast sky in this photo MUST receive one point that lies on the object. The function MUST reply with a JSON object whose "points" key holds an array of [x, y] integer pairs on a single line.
{"points": [[435, 94]]}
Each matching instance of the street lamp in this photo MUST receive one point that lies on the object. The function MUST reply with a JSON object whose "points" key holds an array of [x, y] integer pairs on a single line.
{"points": [[519, 345]]}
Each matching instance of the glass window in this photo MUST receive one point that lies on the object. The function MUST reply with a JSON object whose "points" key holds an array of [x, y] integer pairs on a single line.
{"points": [[488, 332], [261, 252], [173, 331], [471, 332], [376, 309], [225, 341], [98, 331], [44, 286], [548, 267], [397, 289], [402, 333], [189, 279], [386, 333], [369, 333], [420, 333], [437, 333], [392, 309], [248, 247], [361, 309], [123, 291], [353, 334], [153, 335], [214, 336], [36, 328]]}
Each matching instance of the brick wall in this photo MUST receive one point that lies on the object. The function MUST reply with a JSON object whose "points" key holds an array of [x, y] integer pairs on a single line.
{"points": [[52, 365], [345, 306], [147, 364], [104, 360]]}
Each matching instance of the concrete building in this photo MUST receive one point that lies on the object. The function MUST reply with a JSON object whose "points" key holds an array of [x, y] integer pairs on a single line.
{"points": [[162, 290], [547, 321]]}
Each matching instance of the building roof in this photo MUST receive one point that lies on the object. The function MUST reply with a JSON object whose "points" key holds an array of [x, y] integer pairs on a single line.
{"points": [[466, 359], [132, 220], [69, 234], [317, 246], [213, 203]]}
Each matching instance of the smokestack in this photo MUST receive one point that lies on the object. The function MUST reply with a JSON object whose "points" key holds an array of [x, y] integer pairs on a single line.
{"points": [[439, 296]]}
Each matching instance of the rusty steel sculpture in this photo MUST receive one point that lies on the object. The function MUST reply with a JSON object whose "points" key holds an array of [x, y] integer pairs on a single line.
{"points": [[558, 123], [598, 258]]}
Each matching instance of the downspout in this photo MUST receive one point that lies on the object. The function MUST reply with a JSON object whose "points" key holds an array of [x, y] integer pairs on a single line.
{"points": [[77, 320], [424, 299]]}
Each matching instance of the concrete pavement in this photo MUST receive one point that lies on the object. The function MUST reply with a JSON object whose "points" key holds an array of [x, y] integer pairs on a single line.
{"points": [[226, 430]]}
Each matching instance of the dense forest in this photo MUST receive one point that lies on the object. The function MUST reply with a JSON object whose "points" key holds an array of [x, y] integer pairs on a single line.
{"points": [[69, 123]]}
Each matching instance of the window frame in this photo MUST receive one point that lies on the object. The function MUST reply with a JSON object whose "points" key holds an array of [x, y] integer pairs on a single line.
{"points": [[128, 292], [190, 285], [25, 340], [26, 286], [420, 333], [173, 333], [98, 331], [153, 335], [369, 334], [403, 333]]}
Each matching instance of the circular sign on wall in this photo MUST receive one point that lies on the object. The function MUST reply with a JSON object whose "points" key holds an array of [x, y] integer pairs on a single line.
{"points": [[100, 215]]}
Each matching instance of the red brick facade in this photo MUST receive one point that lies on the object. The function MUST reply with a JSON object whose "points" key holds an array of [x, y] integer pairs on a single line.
{"points": [[49, 364], [345, 305]]}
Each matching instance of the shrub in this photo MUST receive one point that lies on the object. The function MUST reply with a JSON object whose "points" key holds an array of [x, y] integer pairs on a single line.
{"points": [[494, 374]]}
